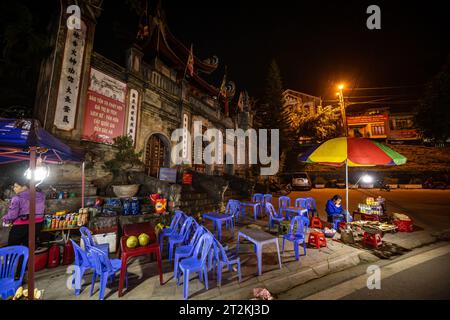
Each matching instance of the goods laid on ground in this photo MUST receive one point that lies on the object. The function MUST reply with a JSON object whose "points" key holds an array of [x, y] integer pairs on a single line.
{"points": [[372, 206], [372, 226]]}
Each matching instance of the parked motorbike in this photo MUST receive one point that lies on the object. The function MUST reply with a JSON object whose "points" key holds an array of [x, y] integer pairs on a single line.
{"points": [[382, 185]]}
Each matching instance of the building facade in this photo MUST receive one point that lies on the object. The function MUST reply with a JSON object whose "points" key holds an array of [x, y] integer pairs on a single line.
{"points": [[301, 102], [84, 96], [388, 123]]}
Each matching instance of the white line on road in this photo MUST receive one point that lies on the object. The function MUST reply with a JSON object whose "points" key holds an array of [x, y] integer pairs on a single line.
{"points": [[348, 287]]}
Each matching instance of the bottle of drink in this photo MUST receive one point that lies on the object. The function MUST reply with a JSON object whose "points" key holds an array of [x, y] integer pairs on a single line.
{"points": [[126, 207]]}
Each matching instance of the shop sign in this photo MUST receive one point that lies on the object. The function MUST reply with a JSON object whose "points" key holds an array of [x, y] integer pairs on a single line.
{"points": [[187, 178], [132, 113], [367, 119], [69, 82], [168, 174], [105, 108], [404, 134]]}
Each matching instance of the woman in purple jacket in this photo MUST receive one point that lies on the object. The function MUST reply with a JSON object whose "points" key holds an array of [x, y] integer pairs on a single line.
{"points": [[18, 212]]}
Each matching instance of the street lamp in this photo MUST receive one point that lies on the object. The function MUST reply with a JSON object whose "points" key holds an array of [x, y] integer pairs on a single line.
{"points": [[40, 172], [342, 104]]}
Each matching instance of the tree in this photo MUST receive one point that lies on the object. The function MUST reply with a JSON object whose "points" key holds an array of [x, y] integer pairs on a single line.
{"points": [[433, 116], [269, 111], [124, 161], [323, 125]]}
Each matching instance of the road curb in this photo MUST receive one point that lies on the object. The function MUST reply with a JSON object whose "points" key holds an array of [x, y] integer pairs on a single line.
{"points": [[276, 285]]}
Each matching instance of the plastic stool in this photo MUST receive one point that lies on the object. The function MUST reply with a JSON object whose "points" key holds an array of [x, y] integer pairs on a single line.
{"points": [[372, 240], [316, 223], [336, 223], [404, 225], [317, 239]]}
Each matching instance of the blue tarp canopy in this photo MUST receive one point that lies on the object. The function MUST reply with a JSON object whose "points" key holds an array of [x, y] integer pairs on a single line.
{"points": [[18, 135]]}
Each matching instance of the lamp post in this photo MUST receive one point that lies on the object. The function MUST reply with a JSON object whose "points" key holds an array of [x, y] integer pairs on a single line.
{"points": [[31, 223], [342, 105]]}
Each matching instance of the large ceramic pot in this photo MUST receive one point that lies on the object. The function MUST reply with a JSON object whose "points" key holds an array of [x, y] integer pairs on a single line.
{"points": [[126, 191]]}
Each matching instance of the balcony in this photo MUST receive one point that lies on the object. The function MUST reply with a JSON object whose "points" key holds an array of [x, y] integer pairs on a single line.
{"points": [[164, 83]]}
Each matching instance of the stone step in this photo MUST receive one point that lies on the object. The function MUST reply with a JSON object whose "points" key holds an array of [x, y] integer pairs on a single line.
{"points": [[191, 203], [194, 196]]}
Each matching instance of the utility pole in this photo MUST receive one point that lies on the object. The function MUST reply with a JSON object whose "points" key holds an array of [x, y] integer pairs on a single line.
{"points": [[342, 105]]}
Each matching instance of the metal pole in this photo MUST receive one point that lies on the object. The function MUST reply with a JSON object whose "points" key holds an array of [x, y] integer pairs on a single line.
{"points": [[346, 189], [82, 183], [31, 224], [344, 117]]}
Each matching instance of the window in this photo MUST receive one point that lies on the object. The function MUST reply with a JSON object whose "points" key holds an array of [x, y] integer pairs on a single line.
{"points": [[378, 130]]}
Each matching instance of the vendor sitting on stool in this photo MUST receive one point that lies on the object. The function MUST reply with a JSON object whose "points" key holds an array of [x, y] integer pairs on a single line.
{"points": [[334, 209]]}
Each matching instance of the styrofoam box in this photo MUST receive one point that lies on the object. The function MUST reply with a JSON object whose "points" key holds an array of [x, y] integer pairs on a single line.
{"points": [[110, 238]]}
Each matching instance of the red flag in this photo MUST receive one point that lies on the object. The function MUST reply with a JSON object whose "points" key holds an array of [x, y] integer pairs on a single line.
{"points": [[241, 102], [190, 62], [223, 89]]}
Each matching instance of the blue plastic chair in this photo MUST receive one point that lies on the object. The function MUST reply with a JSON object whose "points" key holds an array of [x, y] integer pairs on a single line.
{"points": [[86, 235], [197, 263], [258, 197], [267, 198], [9, 260], [175, 224], [224, 258], [283, 202], [82, 264], [299, 236], [105, 268], [301, 202], [181, 237], [273, 215], [187, 250], [232, 209], [311, 206]]}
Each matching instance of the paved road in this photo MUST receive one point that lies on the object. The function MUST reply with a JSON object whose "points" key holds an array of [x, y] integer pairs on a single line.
{"points": [[428, 280], [429, 209], [423, 273]]}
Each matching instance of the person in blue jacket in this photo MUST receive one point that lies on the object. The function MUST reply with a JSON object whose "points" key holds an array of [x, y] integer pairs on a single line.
{"points": [[334, 208]]}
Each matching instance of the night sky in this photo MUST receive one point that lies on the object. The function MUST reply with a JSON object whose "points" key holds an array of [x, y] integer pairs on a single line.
{"points": [[316, 43]]}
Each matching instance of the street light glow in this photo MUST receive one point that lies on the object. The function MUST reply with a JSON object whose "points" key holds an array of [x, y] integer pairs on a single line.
{"points": [[367, 179], [341, 86]]}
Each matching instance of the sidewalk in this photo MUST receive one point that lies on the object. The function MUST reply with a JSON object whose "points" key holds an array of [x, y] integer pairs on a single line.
{"points": [[144, 280]]}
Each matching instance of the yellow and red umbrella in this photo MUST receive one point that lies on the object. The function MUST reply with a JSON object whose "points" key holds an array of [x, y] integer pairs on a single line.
{"points": [[353, 152]]}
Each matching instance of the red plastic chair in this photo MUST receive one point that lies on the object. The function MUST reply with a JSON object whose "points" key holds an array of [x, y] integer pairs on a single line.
{"points": [[126, 253]]}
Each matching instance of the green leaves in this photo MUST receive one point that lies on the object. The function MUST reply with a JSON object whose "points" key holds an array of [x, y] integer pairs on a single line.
{"points": [[433, 116], [125, 159]]}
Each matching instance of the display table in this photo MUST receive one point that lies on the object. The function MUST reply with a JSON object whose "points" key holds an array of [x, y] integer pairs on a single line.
{"points": [[65, 232], [259, 238], [256, 206], [295, 210], [217, 219]]}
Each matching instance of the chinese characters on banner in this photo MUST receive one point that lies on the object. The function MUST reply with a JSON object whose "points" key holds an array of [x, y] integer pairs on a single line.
{"points": [[69, 83], [132, 113], [105, 108]]}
